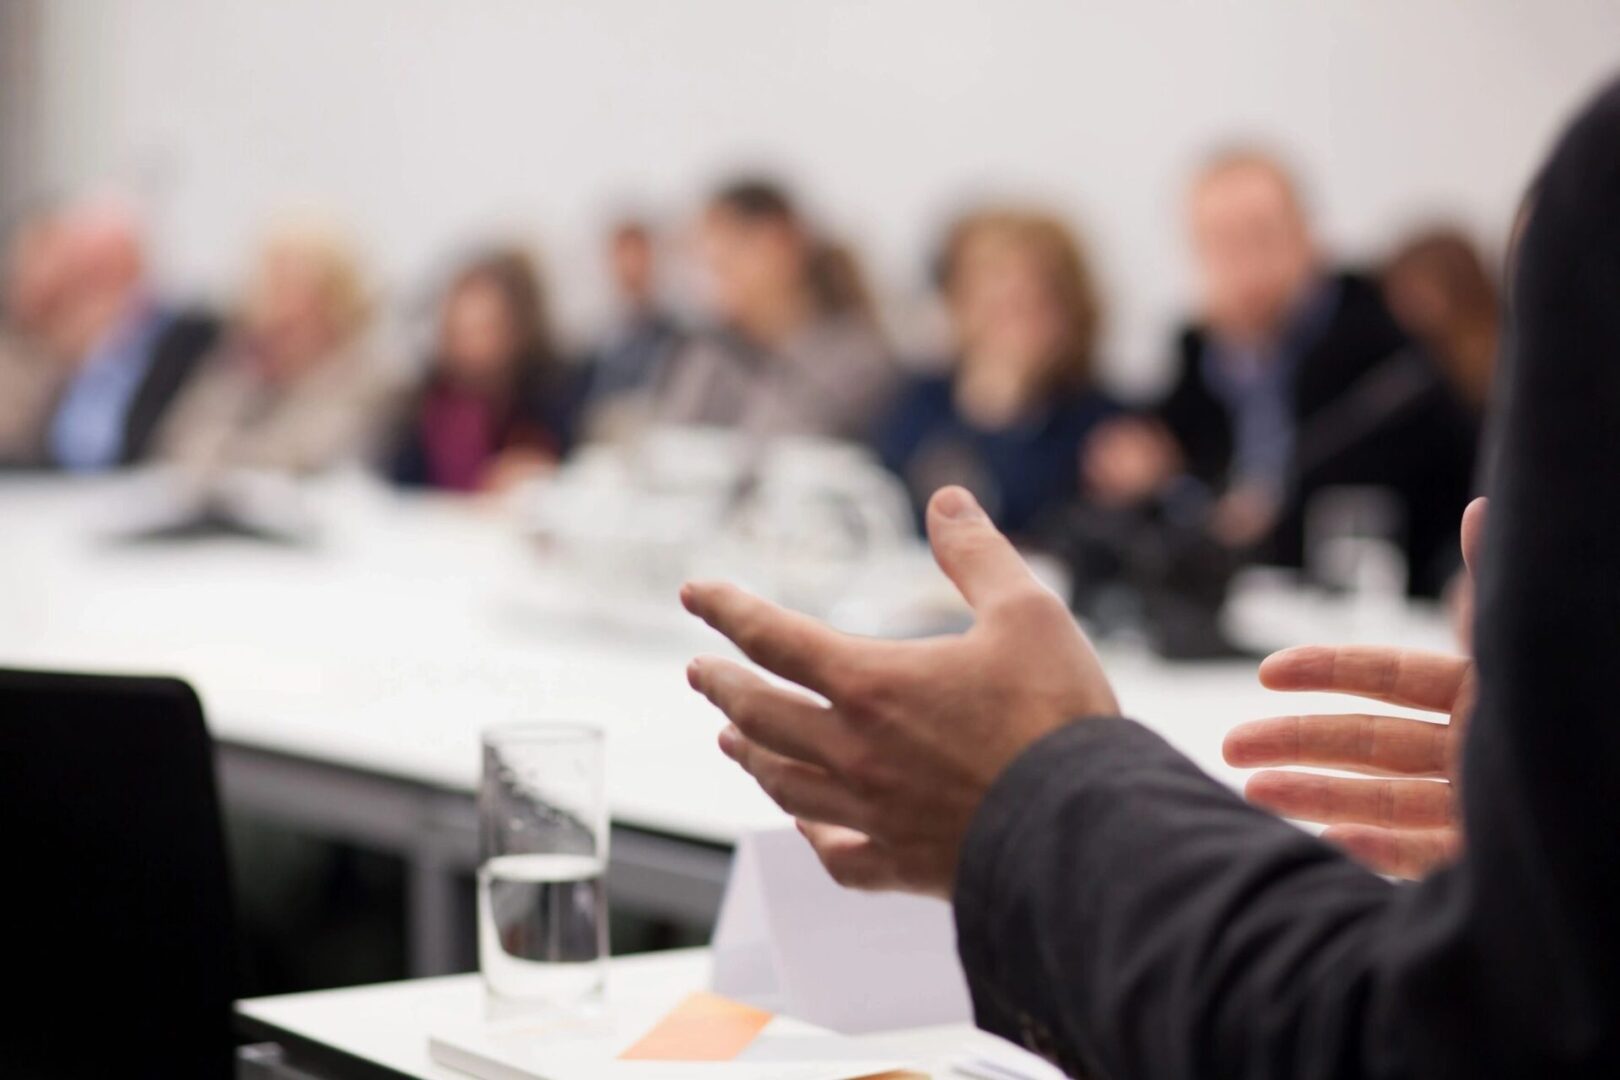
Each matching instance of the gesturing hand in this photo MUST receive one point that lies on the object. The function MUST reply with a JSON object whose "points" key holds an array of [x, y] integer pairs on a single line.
{"points": [[885, 774], [1406, 822]]}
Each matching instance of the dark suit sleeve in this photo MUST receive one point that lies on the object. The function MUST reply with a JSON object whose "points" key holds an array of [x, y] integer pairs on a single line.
{"points": [[1130, 917]]}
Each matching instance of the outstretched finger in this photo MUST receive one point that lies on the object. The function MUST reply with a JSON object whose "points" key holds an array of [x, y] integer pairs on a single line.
{"points": [[1406, 677], [979, 560], [792, 645], [1335, 800], [1359, 742], [1473, 534], [1406, 853]]}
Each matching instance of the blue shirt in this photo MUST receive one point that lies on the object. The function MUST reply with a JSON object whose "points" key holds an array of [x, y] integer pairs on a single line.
{"points": [[1256, 384], [87, 432], [1018, 473]]}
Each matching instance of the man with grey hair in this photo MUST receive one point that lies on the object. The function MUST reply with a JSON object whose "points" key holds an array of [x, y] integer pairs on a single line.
{"points": [[128, 354]]}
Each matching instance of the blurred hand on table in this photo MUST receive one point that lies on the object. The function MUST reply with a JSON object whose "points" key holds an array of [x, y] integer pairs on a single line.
{"points": [[885, 770], [1404, 817], [1128, 460]]}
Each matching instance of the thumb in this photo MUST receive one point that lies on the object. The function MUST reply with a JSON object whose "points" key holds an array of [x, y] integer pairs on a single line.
{"points": [[978, 559], [1473, 534]]}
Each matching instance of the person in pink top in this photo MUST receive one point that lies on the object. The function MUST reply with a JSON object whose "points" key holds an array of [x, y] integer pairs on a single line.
{"points": [[493, 407]]}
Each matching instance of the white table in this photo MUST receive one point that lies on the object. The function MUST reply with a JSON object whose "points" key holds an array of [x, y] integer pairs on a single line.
{"points": [[382, 1031], [347, 684]]}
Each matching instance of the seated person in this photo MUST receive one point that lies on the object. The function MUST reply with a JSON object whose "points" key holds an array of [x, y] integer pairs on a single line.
{"points": [[797, 350], [630, 361], [1294, 379], [293, 388], [1441, 293], [1008, 418], [127, 354], [31, 283], [494, 406]]}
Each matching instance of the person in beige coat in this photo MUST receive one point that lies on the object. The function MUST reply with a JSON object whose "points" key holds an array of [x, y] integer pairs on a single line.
{"points": [[31, 281], [797, 350], [294, 387]]}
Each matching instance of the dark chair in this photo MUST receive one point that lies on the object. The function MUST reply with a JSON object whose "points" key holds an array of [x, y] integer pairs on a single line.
{"points": [[115, 911]]}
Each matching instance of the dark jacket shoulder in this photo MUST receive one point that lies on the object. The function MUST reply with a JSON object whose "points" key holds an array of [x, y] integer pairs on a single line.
{"points": [[178, 353]]}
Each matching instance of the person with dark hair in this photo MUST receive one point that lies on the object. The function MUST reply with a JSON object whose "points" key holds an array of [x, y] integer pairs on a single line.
{"points": [[1007, 417], [631, 360], [1294, 379], [1126, 915], [495, 404], [1440, 291], [797, 350]]}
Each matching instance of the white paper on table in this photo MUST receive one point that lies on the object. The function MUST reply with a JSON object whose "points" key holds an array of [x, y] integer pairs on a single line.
{"points": [[524, 1050], [792, 941]]}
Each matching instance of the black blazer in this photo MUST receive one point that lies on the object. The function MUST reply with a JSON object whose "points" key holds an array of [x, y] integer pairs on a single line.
{"points": [[1131, 917], [1369, 408], [178, 353]]}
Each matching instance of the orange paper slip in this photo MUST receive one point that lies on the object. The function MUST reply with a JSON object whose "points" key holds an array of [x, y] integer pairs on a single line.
{"points": [[703, 1027]]}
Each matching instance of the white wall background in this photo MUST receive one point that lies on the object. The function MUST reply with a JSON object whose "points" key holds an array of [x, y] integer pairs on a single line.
{"points": [[426, 124]]}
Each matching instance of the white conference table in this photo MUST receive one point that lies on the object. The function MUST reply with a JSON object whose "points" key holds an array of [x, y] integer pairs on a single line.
{"points": [[346, 683], [381, 1032]]}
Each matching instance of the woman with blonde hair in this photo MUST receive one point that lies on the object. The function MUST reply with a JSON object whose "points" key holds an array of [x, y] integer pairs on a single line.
{"points": [[293, 387], [1019, 397]]}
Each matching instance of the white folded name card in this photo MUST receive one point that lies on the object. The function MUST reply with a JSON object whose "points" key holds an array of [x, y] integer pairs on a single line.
{"points": [[793, 941]]}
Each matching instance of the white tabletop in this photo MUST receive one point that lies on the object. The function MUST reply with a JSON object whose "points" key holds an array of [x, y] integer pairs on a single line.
{"points": [[418, 621], [388, 1024]]}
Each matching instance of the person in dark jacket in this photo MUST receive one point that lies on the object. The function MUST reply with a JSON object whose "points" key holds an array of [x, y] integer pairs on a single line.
{"points": [[1008, 416], [495, 404], [1128, 916], [128, 354], [1294, 380], [631, 360]]}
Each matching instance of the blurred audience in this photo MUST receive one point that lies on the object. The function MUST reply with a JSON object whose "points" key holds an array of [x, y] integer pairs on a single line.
{"points": [[31, 283], [494, 406], [1295, 378], [797, 350], [1438, 286], [128, 354], [629, 364], [293, 388], [1018, 397]]}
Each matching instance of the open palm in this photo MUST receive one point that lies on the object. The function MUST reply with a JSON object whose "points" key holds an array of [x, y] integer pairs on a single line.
{"points": [[1401, 816]]}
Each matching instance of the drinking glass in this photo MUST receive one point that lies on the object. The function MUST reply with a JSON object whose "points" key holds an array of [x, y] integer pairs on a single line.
{"points": [[1353, 546], [542, 894]]}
